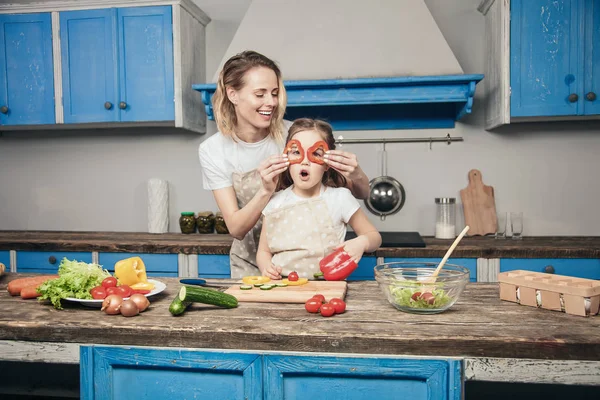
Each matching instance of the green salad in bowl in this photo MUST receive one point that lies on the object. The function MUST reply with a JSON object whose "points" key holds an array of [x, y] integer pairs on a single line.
{"points": [[408, 286]]}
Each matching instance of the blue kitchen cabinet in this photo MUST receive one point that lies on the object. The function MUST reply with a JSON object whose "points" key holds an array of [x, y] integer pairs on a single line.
{"points": [[214, 266], [591, 104], [47, 262], [577, 267], [330, 377], [364, 271], [113, 373], [26, 70], [118, 65], [5, 259], [469, 263], [156, 264]]}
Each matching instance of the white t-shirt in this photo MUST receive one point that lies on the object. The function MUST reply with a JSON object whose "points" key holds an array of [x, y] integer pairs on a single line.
{"points": [[341, 204]]}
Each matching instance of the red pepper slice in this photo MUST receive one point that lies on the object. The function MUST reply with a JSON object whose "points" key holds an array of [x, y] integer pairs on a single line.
{"points": [[317, 151], [294, 151], [140, 291], [337, 266]]}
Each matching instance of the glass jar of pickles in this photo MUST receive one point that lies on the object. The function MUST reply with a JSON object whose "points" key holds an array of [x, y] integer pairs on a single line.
{"points": [[220, 225], [205, 222], [187, 222]]}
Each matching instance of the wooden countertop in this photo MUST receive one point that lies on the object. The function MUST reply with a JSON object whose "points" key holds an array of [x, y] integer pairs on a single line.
{"points": [[475, 247], [478, 325]]}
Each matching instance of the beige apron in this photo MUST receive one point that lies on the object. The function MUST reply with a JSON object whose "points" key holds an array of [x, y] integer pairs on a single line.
{"points": [[243, 252], [300, 235]]}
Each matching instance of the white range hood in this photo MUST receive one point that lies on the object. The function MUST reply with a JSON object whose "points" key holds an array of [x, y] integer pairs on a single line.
{"points": [[378, 64]]}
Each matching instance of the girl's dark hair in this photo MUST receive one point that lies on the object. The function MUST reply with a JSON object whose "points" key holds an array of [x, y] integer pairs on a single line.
{"points": [[331, 177]]}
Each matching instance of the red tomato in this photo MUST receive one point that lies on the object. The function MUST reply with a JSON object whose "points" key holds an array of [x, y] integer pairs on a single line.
{"points": [[98, 293], [416, 296], [109, 282], [428, 297], [124, 291], [327, 310], [312, 305], [320, 297], [338, 304], [112, 290], [293, 276]]}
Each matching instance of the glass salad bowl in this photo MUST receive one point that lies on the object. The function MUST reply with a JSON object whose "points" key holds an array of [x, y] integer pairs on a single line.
{"points": [[405, 287]]}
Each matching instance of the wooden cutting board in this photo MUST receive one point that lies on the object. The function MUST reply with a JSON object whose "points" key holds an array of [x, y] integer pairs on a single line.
{"points": [[291, 294], [479, 205]]}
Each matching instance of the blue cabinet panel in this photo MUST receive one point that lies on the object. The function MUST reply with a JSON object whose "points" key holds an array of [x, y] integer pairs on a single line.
{"points": [[146, 63], [114, 373], [577, 267], [89, 65], [546, 57], [44, 262], [307, 377], [26, 69], [591, 105], [469, 263], [364, 271], [156, 264], [5, 259], [214, 266]]}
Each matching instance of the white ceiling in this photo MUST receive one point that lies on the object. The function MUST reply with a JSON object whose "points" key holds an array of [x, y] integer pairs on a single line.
{"points": [[224, 10]]}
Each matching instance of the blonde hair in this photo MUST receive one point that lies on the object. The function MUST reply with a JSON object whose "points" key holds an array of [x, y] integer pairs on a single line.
{"points": [[331, 177], [232, 75]]}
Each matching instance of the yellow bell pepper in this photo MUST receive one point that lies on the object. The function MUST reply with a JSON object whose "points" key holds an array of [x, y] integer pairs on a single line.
{"points": [[255, 280], [130, 271], [143, 286]]}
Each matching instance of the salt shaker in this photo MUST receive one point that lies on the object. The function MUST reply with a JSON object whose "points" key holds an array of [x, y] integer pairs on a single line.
{"points": [[446, 218]]}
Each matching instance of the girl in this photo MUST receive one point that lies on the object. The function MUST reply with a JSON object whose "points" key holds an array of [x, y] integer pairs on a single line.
{"points": [[307, 219], [242, 162]]}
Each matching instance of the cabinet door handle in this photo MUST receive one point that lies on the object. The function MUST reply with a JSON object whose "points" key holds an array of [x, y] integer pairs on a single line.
{"points": [[4, 110], [549, 269], [52, 260], [108, 105], [591, 96], [122, 105], [573, 97]]}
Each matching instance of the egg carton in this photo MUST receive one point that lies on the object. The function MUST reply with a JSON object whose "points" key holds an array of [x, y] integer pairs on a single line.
{"points": [[577, 296]]}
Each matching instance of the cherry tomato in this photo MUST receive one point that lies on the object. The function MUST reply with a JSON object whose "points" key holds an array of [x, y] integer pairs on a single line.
{"points": [[109, 282], [320, 297], [416, 296], [98, 293], [293, 276], [112, 290], [312, 305], [338, 304], [124, 291], [428, 297], [327, 310]]}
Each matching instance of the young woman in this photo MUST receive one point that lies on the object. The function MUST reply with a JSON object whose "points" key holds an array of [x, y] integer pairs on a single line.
{"points": [[242, 162], [307, 219]]}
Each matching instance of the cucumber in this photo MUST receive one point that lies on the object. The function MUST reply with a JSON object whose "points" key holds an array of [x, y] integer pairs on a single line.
{"points": [[267, 287], [178, 307], [245, 287], [281, 285], [207, 296], [258, 284]]}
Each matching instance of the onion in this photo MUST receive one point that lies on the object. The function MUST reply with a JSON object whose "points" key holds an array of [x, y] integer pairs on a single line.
{"points": [[129, 309], [111, 304], [140, 301]]}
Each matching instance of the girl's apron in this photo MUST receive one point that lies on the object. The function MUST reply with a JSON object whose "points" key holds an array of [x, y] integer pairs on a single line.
{"points": [[300, 235], [243, 252]]}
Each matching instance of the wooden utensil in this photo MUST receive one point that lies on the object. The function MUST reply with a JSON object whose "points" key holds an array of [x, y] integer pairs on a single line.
{"points": [[479, 205], [432, 278], [291, 294]]}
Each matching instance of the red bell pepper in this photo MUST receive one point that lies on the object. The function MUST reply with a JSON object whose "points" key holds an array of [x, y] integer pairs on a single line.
{"points": [[337, 266], [317, 151], [295, 152]]}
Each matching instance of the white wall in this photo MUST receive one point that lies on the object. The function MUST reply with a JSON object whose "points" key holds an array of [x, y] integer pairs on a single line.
{"points": [[96, 180]]}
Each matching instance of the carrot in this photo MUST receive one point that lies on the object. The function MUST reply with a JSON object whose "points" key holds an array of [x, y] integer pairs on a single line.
{"points": [[15, 286], [30, 292]]}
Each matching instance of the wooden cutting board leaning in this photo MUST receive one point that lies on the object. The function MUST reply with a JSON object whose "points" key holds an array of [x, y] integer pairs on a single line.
{"points": [[291, 294], [479, 205]]}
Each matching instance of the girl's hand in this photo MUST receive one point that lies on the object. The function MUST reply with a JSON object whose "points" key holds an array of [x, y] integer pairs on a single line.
{"points": [[355, 247], [272, 271], [270, 169], [345, 163]]}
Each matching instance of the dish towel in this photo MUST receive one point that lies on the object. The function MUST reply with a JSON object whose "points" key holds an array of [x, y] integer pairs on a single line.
{"points": [[158, 206]]}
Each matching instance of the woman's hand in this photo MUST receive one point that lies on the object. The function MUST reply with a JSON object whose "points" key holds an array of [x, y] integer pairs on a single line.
{"points": [[272, 271], [270, 169], [355, 247], [347, 164]]}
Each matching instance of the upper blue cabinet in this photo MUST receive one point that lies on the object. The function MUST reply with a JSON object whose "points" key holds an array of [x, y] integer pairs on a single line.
{"points": [[26, 70], [541, 64], [114, 67]]}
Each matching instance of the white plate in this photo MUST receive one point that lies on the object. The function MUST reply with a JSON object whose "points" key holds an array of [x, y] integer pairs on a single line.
{"points": [[158, 287]]}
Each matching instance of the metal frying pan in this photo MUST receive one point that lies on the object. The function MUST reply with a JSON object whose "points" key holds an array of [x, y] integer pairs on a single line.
{"points": [[387, 195]]}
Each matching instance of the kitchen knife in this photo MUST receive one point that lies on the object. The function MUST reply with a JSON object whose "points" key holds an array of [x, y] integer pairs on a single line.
{"points": [[199, 282]]}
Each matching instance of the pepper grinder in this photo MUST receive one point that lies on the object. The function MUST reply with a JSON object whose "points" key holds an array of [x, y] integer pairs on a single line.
{"points": [[445, 224]]}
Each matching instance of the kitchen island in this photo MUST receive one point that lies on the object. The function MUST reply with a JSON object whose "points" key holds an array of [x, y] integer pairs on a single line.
{"points": [[479, 338]]}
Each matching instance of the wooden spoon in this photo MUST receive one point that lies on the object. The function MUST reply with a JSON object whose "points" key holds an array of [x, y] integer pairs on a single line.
{"points": [[433, 277]]}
